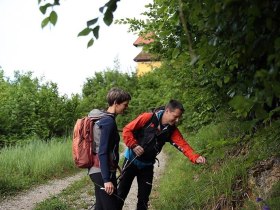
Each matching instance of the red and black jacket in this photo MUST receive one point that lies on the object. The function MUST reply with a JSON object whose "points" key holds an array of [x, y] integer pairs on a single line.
{"points": [[147, 132]]}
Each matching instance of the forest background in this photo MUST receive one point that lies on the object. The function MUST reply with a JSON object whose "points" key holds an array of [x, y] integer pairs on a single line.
{"points": [[221, 59]]}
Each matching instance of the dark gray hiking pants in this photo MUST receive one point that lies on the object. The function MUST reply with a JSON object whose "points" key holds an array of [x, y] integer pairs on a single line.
{"points": [[103, 200], [144, 179]]}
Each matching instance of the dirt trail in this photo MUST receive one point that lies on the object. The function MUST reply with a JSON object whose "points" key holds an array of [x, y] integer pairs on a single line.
{"points": [[27, 200], [131, 200]]}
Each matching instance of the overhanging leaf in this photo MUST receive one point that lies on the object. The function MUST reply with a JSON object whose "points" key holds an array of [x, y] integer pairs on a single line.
{"points": [[85, 32], [92, 22], [96, 31], [112, 5], [56, 2], [53, 17], [44, 8], [108, 18], [45, 22], [90, 43], [101, 9]]}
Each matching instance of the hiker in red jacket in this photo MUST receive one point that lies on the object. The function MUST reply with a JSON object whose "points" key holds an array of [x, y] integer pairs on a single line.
{"points": [[145, 136]]}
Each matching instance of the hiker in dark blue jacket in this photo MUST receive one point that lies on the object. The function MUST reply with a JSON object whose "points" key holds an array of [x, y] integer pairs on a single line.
{"points": [[103, 173]]}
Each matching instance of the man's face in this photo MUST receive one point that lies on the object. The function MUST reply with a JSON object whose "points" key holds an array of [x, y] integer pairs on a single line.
{"points": [[173, 116]]}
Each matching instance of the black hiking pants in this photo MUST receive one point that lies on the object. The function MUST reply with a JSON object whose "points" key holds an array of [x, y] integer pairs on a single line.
{"points": [[103, 200], [144, 179]]}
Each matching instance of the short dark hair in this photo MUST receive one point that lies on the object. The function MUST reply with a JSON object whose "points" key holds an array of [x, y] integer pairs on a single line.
{"points": [[174, 104], [117, 95]]}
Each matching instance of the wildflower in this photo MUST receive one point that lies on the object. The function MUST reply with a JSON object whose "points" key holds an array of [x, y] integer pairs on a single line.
{"points": [[265, 207], [259, 199]]}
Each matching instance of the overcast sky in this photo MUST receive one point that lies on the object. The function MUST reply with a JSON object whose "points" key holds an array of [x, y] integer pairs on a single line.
{"points": [[56, 53]]}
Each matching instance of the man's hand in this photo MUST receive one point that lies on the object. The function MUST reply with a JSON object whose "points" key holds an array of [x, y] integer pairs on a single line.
{"points": [[138, 150], [109, 188], [200, 160]]}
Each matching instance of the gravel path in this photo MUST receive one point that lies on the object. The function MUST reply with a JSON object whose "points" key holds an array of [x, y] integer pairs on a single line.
{"points": [[131, 200], [27, 200]]}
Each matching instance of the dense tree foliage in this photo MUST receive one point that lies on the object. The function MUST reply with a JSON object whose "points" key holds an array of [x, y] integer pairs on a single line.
{"points": [[31, 108], [222, 52]]}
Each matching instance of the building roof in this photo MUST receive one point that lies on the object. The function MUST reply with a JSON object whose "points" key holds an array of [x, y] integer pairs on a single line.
{"points": [[142, 40], [143, 56]]}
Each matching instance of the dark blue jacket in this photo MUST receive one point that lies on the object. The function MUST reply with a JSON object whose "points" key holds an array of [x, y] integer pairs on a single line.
{"points": [[109, 146]]}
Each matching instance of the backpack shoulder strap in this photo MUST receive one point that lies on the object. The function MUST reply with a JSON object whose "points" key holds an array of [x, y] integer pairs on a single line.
{"points": [[155, 118], [152, 120]]}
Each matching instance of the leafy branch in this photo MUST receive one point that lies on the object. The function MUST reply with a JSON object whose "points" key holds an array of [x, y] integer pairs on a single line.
{"points": [[92, 25]]}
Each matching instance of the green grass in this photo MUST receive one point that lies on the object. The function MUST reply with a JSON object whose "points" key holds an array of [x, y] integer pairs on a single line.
{"points": [[24, 166], [224, 179], [53, 204]]}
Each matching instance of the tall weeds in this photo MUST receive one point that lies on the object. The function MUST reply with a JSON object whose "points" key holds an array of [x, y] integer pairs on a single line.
{"points": [[223, 182], [23, 166]]}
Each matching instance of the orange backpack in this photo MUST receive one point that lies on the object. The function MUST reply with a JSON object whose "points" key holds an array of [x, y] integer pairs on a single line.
{"points": [[84, 142]]}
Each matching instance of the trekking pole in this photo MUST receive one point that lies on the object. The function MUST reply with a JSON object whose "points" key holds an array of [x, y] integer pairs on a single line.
{"points": [[102, 188], [130, 162], [124, 169]]}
